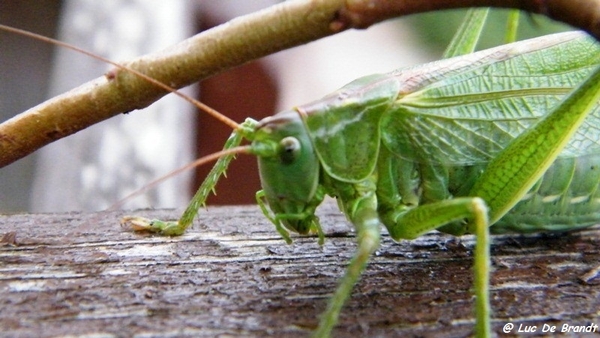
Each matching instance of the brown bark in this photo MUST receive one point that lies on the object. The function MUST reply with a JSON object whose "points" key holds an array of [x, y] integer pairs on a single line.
{"points": [[75, 274]]}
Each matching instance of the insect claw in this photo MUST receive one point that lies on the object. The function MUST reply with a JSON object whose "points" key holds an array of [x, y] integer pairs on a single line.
{"points": [[319, 230], [142, 224], [136, 223]]}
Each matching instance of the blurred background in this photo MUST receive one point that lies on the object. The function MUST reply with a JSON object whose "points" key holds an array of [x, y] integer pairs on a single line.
{"points": [[98, 166]]}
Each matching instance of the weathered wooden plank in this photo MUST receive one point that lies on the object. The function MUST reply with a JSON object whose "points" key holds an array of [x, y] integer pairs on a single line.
{"points": [[232, 274]]}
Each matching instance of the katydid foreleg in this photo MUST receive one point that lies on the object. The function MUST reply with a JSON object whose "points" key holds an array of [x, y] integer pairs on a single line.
{"points": [[199, 199]]}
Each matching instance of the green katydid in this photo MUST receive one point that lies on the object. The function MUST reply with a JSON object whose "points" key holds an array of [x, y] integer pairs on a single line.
{"points": [[426, 147], [458, 145]]}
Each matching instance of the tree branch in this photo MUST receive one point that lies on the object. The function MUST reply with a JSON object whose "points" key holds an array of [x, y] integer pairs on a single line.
{"points": [[241, 40], [584, 14]]}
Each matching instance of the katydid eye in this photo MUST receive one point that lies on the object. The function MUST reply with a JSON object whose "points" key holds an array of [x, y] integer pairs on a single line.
{"points": [[290, 148]]}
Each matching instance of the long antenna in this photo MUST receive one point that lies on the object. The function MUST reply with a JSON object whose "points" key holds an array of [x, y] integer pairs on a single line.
{"points": [[229, 122], [226, 120]]}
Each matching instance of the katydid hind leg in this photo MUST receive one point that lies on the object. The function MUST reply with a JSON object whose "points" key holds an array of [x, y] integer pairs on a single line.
{"points": [[511, 174], [422, 219], [466, 38]]}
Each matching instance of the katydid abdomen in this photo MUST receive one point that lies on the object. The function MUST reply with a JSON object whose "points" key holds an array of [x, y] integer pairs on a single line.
{"points": [[566, 198]]}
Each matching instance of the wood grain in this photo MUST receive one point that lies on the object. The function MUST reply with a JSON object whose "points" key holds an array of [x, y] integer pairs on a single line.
{"points": [[232, 275]]}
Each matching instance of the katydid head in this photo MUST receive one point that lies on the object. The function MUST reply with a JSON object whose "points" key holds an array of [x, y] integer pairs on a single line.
{"points": [[289, 169]]}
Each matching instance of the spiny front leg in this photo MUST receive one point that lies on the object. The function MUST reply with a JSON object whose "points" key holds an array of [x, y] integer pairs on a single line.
{"points": [[177, 228]]}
